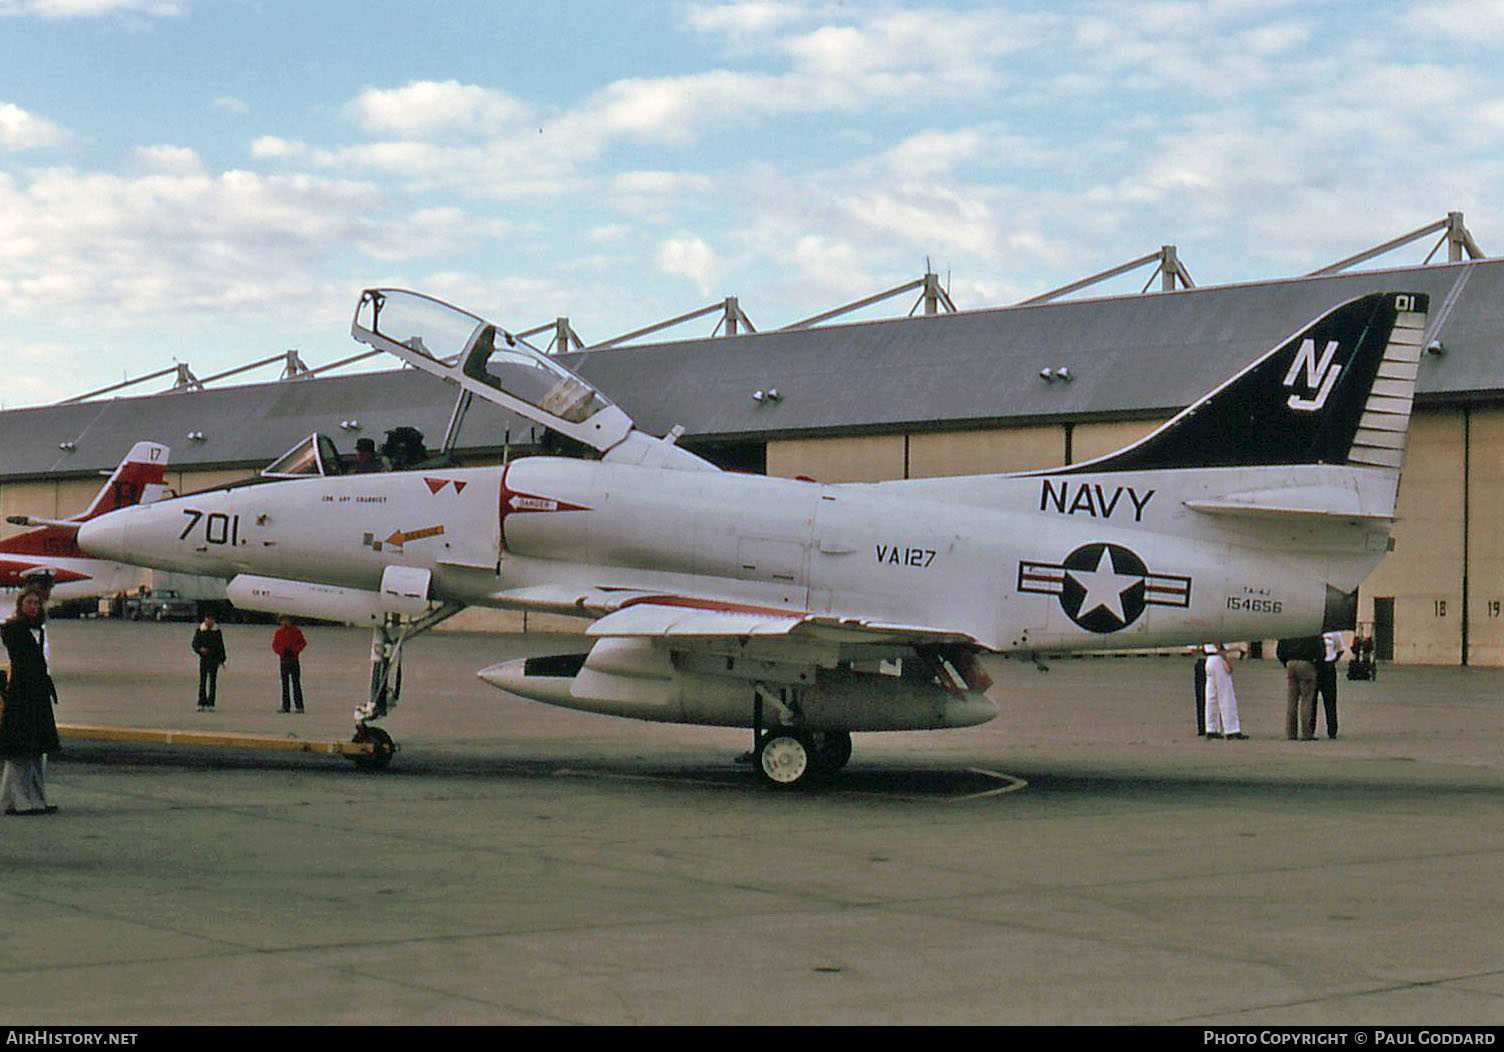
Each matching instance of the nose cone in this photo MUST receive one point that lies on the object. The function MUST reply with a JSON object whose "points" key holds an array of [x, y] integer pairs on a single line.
{"points": [[148, 535], [109, 536]]}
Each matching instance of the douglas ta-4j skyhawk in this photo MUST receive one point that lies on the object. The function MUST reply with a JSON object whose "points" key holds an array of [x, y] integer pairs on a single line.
{"points": [[808, 611]]}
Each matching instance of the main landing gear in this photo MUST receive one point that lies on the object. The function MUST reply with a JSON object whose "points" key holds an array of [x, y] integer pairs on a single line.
{"points": [[386, 682], [787, 757]]}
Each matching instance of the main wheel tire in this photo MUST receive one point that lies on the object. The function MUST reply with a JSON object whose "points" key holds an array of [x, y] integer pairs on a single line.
{"points": [[832, 750], [785, 759]]}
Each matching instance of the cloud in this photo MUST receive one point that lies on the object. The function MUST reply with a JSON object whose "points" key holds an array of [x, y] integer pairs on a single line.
{"points": [[743, 21], [658, 196], [168, 160], [824, 150], [1476, 23], [61, 9], [426, 233], [662, 184], [425, 107], [176, 240], [180, 241], [37, 375], [272, 147], [820, 258], [894, 52], [20, 130], [894, 59], [690, 257], [935, 153], [934, 218]]}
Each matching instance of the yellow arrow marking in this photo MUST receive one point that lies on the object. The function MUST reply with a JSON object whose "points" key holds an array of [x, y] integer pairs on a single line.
{"points": [[401, 537]]}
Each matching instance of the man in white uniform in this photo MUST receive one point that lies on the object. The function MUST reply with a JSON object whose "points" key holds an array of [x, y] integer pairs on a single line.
{"points": [[1221, 699]]}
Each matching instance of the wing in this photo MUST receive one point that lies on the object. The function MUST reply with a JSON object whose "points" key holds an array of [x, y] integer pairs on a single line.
{"points": [[697, 659], [16, 572], [685, 618], [635, 613]]}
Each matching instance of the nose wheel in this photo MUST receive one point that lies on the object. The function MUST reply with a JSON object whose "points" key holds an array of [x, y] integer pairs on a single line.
{"points": [[386, 682], [382, 748]]}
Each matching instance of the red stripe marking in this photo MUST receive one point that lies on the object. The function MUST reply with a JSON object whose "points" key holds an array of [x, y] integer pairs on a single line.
{"points": [[712, 604]]}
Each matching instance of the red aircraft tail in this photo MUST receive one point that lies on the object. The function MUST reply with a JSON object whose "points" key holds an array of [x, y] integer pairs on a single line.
{"points": [[140, 477], [145, 465]]}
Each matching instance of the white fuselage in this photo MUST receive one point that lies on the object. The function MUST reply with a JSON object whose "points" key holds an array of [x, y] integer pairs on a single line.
{"points": [[1017, 563]]}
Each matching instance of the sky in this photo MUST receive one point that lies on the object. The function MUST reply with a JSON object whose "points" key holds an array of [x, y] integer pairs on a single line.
{"points": [[212, 182]]}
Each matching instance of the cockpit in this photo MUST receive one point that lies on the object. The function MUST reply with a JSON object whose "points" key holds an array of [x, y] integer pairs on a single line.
{"points": [[315, 455], [531, 377], [489, 362]]}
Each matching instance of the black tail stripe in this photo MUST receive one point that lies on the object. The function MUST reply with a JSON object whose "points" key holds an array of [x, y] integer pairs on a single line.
{"points": [[1301, 403]]}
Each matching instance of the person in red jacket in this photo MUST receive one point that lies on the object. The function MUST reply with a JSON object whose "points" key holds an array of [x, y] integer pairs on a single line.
{"points": [[287, 644]]}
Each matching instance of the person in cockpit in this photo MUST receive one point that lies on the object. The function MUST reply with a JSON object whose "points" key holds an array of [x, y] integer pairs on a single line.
{"points": [[366, 460]]}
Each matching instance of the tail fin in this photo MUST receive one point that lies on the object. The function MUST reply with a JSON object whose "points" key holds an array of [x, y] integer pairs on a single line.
{"points": [[139, 479], [1337, 392]]}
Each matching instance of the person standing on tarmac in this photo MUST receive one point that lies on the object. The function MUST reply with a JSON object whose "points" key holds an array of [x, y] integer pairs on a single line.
{"points": [[209, 645], [1326, 680], [28, 731], [1198, 684], [288, 643], [1221, 698], [1300, 656]]}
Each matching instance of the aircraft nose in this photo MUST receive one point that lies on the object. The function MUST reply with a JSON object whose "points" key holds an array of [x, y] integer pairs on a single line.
{"points": [[108, 536]]}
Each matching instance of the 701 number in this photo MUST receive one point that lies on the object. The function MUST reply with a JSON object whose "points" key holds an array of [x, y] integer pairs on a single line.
{"points": [[219, 528]]}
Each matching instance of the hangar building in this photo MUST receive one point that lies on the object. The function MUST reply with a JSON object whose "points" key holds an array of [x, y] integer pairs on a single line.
{"points": [[971, 392]]}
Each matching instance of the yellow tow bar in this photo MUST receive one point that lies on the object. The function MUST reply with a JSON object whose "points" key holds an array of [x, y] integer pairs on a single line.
{"points": [[372, 747]]}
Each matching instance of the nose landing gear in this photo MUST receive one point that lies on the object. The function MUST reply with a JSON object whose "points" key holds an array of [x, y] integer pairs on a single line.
{"points": [[386, 683], [382, 748]]}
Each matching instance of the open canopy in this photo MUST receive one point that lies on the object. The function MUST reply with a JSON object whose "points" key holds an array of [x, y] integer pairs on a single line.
{"points": [[314, 455], [488, 362]]}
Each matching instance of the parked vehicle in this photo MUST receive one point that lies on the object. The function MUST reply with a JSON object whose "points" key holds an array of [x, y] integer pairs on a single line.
{"points": [[164, 605]]}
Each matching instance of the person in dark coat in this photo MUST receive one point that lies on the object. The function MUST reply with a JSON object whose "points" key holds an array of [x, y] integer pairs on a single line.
{"points": [[209, 645], [1198, 683], [27, 729], [1326, 679]]}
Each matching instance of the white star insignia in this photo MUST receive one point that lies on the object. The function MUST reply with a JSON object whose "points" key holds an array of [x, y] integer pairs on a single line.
{"points": [[1104, 587]]}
